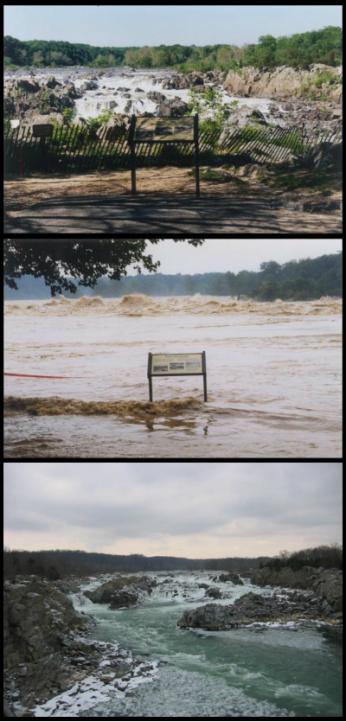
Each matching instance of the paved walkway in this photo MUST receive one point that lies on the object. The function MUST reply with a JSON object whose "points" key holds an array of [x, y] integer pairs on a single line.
{"points": [[166, 214]]}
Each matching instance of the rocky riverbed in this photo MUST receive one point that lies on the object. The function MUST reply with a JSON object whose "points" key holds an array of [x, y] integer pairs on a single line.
{"points": [[53, 664], [74, 646], [285, 97]]}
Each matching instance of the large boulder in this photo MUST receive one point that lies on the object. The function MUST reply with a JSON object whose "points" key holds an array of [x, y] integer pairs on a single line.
{"points": [[328, 585], [123, 598], [172, 107], [52, 83], [90, 84], [230, 577], [28, 86], [156, 97], [121, 591], [253, 608], [213, 592]]}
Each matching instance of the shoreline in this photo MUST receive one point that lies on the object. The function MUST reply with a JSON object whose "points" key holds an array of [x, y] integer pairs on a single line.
{"points": [[103, 670]]}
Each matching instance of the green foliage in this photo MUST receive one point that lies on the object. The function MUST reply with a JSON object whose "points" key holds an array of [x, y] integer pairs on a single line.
{"points": [[88, 261], [67, 115], [311, 87], [44, 105], [208, 103], [299, 50], [297, 280], [94, 124]]}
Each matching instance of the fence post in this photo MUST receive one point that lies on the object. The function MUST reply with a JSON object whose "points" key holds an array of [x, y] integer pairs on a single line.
{"points": [[196, 142], [204, 368], [150, 380], [133, 153]]}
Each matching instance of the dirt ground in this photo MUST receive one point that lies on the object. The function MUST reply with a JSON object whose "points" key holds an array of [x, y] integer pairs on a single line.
{"points": [[166, 202]]}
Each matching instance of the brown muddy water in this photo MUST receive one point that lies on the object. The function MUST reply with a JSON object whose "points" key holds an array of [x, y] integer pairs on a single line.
{"points": [[274, 378]]}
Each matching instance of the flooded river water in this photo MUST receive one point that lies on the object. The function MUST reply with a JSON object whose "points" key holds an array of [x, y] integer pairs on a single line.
{"points": [[274, 378]]}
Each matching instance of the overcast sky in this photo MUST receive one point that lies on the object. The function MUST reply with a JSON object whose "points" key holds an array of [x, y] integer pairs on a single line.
{"points": [[192, 509], [226, 254], [123, 25]]}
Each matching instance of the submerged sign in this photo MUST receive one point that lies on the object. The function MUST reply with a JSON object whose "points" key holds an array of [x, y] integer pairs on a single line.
{"points": [[179, 364]]}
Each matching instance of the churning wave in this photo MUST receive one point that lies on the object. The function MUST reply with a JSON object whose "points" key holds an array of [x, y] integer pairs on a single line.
{"points": [[142, 305]]}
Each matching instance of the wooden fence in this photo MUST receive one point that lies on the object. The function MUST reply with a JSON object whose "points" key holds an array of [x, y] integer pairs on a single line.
{"points": [[77, 149]]}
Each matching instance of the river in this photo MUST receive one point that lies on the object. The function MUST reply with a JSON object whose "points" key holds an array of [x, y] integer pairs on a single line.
{"points": [[269, 670], [125, 90], [273, 370]]}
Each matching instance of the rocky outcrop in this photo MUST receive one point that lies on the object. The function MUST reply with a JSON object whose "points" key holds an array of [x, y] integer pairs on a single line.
{"points": [[47, 652], [285, 82], [121, 591], [254, 608], [26, 99], [213, 592], [172, 108], [178, 81], [327, 583], [229, 577], [39, 626]]}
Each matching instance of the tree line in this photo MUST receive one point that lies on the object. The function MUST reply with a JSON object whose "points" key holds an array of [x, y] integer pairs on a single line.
{"points": [[327, 557], [58, 564], [306, 279], [299, 50]]}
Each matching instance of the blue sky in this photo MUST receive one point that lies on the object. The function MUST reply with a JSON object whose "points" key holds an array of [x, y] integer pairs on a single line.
{"points": [[123, 25]]}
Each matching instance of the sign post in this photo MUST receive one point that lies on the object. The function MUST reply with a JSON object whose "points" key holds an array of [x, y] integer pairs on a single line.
{"points": [[161, 131], [178, 364]]}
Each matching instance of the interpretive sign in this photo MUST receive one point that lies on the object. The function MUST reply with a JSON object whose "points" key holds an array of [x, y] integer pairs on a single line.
{"points": [[158, 131], [43, 130], [164, 129], [178, 364]]}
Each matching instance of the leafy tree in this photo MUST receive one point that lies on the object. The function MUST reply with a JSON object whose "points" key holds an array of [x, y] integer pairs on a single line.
{"points": [[298, 50], [297, 280], [60, 262]]}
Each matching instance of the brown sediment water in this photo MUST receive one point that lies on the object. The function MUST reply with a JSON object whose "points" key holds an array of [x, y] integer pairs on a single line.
{"points": [[273, 373], [135, 411], [146, 305]]}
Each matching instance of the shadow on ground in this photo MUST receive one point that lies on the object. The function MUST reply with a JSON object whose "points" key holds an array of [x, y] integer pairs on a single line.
{"points": [[163, 213]]}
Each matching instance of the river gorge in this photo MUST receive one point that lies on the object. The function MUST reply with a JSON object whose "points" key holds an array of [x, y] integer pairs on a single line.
{"points": [[138, 658]]}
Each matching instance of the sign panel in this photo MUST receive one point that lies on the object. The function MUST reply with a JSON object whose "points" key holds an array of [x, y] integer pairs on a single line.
{"points": [[169, 129], [43, 130], [178, 364]]}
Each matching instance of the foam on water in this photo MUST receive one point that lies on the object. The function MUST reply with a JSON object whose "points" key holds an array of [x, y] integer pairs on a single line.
{"points": [[274, 377], [125, 91], [140, 304], [238, 673]]}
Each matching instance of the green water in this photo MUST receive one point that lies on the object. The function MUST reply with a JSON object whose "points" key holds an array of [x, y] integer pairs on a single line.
{"points": [[253, 672]]}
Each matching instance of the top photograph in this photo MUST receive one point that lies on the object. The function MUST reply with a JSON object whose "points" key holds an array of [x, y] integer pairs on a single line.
{"points": [[173, 120]]}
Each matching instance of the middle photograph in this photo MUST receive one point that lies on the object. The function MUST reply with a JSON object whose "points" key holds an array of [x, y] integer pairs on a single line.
{"points": [[161, 348]]}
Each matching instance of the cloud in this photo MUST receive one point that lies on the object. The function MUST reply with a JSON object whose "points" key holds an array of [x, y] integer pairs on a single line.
{"points": [[186, 508]]}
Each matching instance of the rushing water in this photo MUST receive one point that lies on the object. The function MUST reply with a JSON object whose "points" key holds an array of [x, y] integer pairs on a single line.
{"points": [[274, 378], [124, 90], [270, 670]]}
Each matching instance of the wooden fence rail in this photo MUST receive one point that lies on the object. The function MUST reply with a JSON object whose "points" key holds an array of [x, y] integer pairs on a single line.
{"points": [[76, 149]]}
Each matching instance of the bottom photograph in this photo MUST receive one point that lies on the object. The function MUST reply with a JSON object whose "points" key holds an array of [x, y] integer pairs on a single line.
{"points": [[173, 590]]}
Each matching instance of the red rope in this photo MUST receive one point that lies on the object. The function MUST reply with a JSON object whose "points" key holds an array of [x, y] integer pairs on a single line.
{"points": [[40, 376]]}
